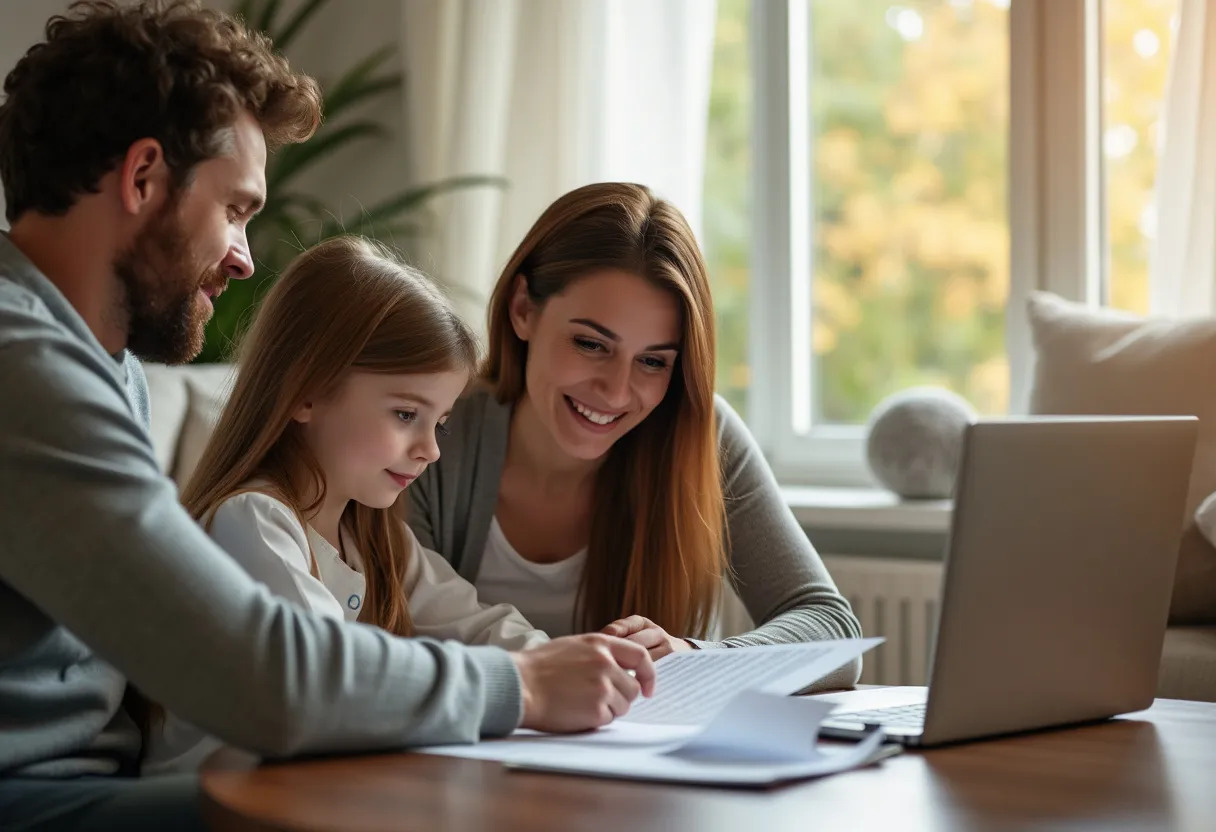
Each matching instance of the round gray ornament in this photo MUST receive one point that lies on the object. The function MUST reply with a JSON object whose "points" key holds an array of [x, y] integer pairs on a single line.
{"points": [[914, 441]]}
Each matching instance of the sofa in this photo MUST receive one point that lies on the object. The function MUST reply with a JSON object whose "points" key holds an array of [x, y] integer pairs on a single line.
{"points": [[1087, 361], [185, 403], [1104, 362]]}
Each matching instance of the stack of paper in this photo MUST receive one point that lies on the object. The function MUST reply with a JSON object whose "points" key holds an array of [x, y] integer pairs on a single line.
{"points": [[718, 716]]}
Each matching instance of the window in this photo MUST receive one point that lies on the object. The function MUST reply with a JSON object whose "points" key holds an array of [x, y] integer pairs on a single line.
{"points": [[855, 214], [727, 204], [886, 180], [1136, 42]]}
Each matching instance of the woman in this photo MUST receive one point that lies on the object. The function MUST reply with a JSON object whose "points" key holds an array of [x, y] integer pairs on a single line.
{"points": [[591, 477]]}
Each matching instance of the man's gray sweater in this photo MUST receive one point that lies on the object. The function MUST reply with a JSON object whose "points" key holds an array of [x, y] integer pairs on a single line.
{"points": [[104, 578]]}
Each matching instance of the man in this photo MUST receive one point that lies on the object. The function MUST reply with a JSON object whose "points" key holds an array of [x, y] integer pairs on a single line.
{"points": [[132, 151]]}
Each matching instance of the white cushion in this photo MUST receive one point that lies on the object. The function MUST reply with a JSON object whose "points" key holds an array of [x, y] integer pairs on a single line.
{"points": [[167, 399], [208, 386], [1098, 362]]}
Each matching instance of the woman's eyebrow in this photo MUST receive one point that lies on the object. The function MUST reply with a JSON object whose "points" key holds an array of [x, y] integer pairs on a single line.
{"points": [[612, 336]]}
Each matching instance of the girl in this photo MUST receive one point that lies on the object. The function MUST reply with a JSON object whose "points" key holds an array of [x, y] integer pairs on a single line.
{"points": [[346, 377], [593, 479]]}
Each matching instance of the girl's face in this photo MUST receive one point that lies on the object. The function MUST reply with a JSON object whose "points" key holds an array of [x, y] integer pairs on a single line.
{"points": [[600, 357], [377, 432]]}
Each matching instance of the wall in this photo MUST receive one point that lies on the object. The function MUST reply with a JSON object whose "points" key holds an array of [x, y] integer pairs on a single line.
{"points": [[20, 27]]}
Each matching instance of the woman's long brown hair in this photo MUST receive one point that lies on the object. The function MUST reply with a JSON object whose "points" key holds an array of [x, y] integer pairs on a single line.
{"points": [[346, 305], [657, 544]]}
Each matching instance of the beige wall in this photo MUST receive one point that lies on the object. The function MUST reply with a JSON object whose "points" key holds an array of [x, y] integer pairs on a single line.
{"points": [[20, 27], [343, 33]]}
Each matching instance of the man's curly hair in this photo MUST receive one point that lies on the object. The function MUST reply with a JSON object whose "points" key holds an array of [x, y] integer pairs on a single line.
{"points": [[110, 74]]}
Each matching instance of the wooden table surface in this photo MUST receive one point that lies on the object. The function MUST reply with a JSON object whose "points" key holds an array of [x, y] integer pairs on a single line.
{"points": [[1152, 770]]}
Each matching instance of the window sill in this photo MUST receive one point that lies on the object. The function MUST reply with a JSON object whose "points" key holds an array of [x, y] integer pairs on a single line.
{"points": [[866, 509]]}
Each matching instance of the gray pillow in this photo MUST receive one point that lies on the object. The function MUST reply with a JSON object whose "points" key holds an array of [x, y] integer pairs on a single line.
{"points": [[1103, 362]]}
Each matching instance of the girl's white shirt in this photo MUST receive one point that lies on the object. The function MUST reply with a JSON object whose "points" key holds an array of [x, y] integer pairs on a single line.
{"points": [[267, 538]]}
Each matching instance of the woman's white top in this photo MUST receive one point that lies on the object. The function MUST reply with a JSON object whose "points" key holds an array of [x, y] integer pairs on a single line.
{"points": [[266, 537], [544, 593]]}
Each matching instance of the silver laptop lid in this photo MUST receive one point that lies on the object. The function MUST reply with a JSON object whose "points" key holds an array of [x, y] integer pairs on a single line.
{"points": [[1059, 572]]}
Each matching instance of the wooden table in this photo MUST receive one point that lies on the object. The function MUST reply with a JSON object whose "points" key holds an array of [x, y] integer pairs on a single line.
{"points": [[1152, 770]]}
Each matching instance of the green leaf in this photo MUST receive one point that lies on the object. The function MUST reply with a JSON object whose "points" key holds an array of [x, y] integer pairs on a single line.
{"points": [[298, 201], [298, 233], [386, 231], [361, 71], [296, 23], [266, 19], [359, 82], [291, 160], [245, 10], [337, 104], [415, 198]]}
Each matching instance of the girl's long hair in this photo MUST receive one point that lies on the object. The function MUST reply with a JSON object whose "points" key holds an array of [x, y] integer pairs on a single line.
{"points": [[658, 544], [346, 305]]}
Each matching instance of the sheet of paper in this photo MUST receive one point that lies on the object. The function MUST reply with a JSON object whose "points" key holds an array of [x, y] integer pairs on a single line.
{"points": [[718, 716], [639, 765], [617, 735], [756, 725], [692, 687], [757, 739]]}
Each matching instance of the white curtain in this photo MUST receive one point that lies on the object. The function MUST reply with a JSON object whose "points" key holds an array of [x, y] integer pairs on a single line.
{"points": [[551, 95], [1183, 258]]}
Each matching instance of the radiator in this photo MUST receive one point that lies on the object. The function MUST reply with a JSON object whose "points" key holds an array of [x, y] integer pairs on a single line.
{"points": [[895, 599]]}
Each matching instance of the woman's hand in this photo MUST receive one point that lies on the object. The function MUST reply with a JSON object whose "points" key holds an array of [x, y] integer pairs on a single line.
{"points": [[645, 632]]}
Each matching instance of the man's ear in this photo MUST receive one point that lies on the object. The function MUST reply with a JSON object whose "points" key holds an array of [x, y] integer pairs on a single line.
{"points": [[522, 309], [144, 178]]}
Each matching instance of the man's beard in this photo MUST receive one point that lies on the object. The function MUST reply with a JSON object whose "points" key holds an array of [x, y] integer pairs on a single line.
{"points": [[165, 321]]}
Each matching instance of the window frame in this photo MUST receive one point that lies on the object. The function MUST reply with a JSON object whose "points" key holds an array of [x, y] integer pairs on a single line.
{"points": [[1056, 218]]}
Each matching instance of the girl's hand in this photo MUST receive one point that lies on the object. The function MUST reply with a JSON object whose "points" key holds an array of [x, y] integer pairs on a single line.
{"points": [[645, 632]]}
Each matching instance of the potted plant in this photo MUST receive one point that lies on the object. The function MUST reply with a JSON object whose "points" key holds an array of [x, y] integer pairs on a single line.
{"points": [[293, 219]]}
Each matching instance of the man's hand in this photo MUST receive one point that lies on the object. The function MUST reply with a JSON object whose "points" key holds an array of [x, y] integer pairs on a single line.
{"points": [[645, 632], [577, 683]]}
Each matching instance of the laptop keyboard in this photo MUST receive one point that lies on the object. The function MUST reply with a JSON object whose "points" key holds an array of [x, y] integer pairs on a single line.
{"points": [[904, 716]]}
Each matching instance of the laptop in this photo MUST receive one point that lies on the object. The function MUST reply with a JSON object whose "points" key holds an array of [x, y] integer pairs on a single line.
{"points": [[1057, 579]]}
